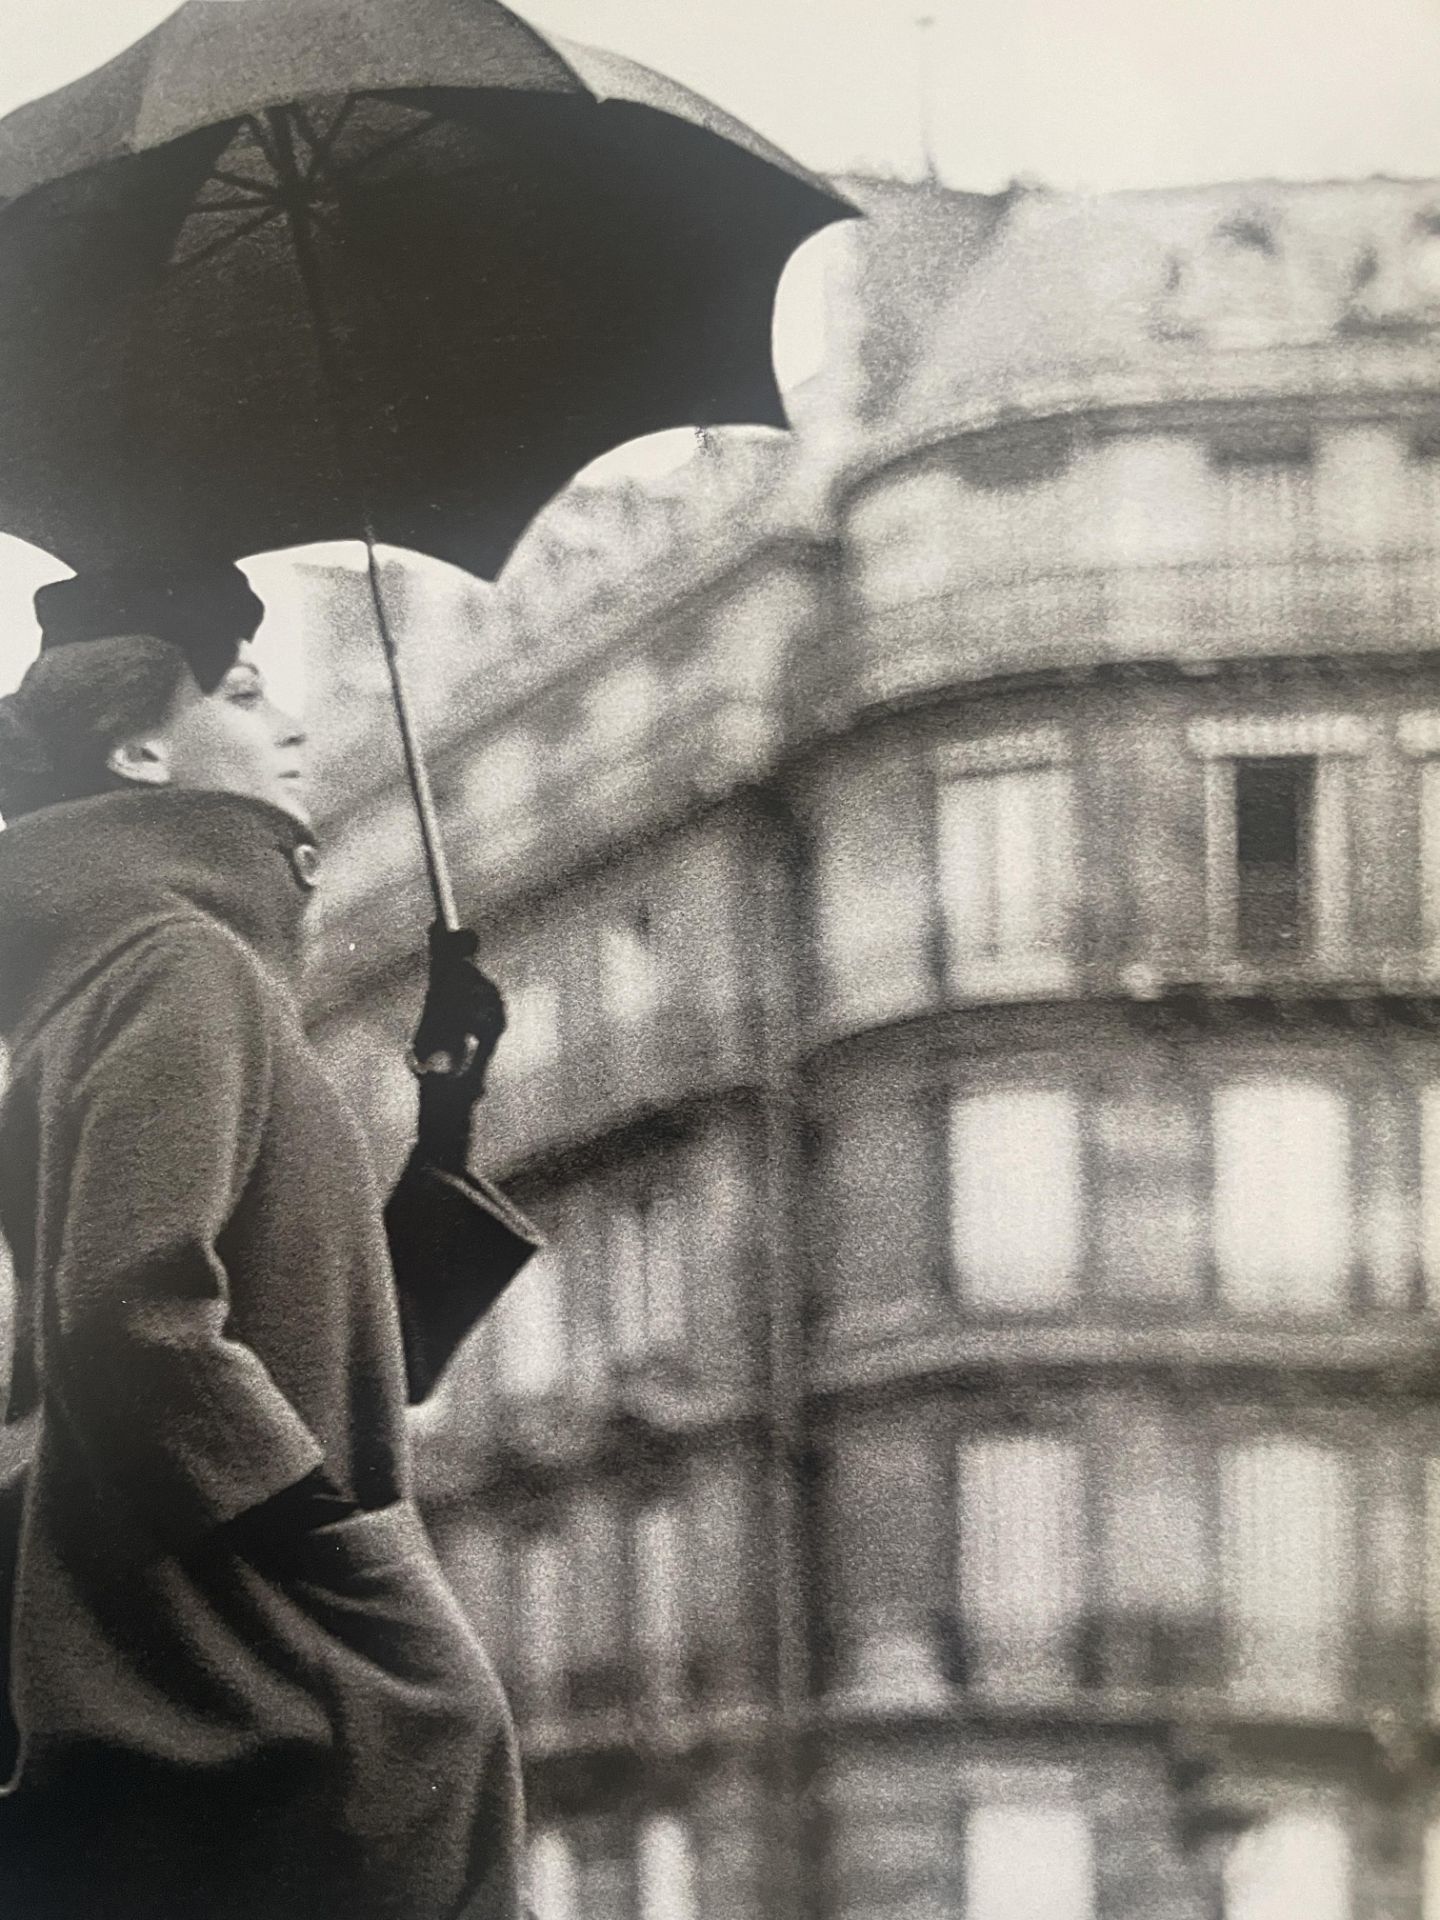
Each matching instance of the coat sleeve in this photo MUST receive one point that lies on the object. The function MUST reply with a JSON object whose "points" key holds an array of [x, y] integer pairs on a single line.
{"points": [[456, 1243], [162, 1124]]}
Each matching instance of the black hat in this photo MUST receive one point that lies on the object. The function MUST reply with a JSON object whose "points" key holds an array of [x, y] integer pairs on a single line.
{"points": [[207, 613]]}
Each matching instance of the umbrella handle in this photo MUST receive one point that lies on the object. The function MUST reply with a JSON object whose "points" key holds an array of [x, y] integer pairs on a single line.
{"points": [[416, 771]]}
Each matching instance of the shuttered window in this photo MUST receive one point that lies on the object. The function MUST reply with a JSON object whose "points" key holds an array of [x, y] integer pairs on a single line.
{"points": [[1021, 1549], [1006, 855], [1287, 1548], [647, 1239], [659, 1579]]}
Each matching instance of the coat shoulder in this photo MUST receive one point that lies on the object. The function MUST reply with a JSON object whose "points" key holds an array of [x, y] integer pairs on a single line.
{"points": [[175, 974]]}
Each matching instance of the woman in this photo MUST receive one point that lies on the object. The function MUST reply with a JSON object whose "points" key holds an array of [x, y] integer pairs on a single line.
{"points": [[240, 1682]]}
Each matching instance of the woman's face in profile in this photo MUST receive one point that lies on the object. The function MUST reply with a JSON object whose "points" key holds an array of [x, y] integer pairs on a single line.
{"points": [[234, 740]]}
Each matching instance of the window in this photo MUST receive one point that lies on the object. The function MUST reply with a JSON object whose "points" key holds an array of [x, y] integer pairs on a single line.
{"points": [[1430, 853], [1015, 1199], [529, 1324], [1267, 497], [532, 1034], [1282, 1198], [1430, 1873], [624, 704], [1287, 1524], [543, 1615], [630, 984], [1293, 1866], [1007, 877], [659, 1611], [554, 1877], [1274, 803], [669, 1880], [647, 1265], [1278, 834], [1029, 1863], [1021, 1543], [1430, 1191], [602, 1634], [1431, 1588]]}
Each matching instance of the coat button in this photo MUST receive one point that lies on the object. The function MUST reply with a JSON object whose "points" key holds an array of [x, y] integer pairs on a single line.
{"points": [[305, 859]]}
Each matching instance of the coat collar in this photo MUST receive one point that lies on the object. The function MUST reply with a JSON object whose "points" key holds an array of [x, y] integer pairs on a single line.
{"points": [[79, 881]]}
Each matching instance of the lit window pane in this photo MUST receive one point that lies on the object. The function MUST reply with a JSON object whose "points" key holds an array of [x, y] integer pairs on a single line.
{"points": [[1430, 852], [543, 1607], [1029, 1863], [624, 704], [1432, 1579], [1015, 1199], [554, 1879], [532, 1033], [647, 1265], [659, 1591], [1282, 1199], [1430, 1190], [1021, 1546], [629, 970], [1295, 1866], [665, 1271], [967, 865], [1430, 1875], [529, 1325], [669, 1887], [1287, 1525]]}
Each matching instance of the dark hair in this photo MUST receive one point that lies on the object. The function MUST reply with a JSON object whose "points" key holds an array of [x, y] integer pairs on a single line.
{"points": [[74, 705]]}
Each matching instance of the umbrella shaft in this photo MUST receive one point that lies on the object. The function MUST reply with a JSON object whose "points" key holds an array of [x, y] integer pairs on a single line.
{"points": [[338, 393], [417, 772]]}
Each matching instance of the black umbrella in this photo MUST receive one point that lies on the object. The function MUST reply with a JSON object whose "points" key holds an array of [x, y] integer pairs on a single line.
{"points": [[300, 270]]}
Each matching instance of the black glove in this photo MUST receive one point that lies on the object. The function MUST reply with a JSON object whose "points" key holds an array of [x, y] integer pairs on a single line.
{"points": [[272, 1536], [461, 1024]]}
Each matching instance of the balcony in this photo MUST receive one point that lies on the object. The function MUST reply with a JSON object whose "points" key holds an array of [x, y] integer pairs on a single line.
{"points": [[648, 1712], [1175, 1671], [1090, 616], [942, 1351]]}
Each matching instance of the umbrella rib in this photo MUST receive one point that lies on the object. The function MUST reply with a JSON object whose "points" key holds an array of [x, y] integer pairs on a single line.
{"points": [[233, 206], [224, 240], [258, 187], [263, 141], [321, 145], [389, 146]]}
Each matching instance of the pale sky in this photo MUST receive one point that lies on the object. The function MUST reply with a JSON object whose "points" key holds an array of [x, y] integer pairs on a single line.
{"points": [[1078, 93]]}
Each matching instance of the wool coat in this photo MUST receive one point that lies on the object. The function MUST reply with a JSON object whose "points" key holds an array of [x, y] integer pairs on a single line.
{"points": [[212, 1305]]}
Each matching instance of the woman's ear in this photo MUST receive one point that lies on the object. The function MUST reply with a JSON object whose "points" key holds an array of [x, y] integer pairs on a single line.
{"points": [[141, 760]]}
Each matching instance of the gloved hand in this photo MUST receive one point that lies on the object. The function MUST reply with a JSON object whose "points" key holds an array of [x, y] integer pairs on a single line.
{"points": [[273, 1535], [461, 1024]]}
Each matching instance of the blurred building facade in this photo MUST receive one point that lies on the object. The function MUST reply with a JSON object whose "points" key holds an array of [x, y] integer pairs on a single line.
{"points": [[969, 892]]}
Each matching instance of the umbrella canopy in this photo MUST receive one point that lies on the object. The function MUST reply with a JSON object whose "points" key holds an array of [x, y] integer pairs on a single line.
{"points": [[298, 270]]}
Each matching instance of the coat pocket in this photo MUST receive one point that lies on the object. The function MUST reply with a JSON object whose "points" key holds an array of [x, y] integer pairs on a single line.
{"points": [[374, 1543]]}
